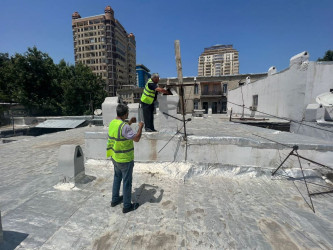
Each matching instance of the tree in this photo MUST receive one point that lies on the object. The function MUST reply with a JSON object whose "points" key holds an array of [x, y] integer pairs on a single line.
{"points": [[328, 56], [82, 89], [33, 82], [4, 73], [45, 88]]}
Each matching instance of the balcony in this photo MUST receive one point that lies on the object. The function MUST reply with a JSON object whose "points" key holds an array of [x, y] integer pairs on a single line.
{"points": [[212, 93]]}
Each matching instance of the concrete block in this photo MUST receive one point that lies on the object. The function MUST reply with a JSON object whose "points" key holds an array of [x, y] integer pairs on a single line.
{"points": [[109, 110], [71, 163], [272, 70], [310, 114], [168, 105], [198, 112], [299, 58], [248, 80], [133, 111]]}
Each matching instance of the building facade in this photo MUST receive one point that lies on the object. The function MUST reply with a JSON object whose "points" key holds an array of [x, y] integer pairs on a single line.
{"points": [[142, 75], [130, 95], [218, 60], [102, 43], [210, 93]]}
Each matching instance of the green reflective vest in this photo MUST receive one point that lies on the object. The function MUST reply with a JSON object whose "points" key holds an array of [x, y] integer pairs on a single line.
{"points": [[118, 147], [148, 95]]}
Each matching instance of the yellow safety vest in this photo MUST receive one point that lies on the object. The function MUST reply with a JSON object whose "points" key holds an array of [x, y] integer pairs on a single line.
{"points": [[118, 147], [148, 95]]}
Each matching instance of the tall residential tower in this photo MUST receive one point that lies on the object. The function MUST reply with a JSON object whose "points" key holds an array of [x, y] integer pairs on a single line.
{"points": [[102, 43], [218, 60]]}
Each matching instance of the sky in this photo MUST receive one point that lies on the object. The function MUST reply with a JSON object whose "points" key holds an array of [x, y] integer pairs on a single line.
{"points": [[266, 33]]}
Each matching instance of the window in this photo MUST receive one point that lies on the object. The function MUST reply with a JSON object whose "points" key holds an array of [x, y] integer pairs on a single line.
{"points": [[205, 88], [225, 88], [196, 89], [196, 104]]}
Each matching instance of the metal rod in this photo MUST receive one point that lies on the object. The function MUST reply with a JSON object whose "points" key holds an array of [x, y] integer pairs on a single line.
{"points": [[291, 152], [172, 116], [177, 85], [314, 162], [307, 188], [326, 192], [183, 106], [170, 139]]}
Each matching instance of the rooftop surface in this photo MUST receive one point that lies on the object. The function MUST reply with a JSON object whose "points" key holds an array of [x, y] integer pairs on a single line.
{"points": [[219, 128], [182, 205]]}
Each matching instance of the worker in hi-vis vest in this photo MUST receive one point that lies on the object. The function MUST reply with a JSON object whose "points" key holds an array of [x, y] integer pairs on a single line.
{"points": [[120, 148], [148, 99]]}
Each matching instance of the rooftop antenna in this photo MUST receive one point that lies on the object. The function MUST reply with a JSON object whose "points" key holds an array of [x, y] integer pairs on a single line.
{"points": [[180, 83]]}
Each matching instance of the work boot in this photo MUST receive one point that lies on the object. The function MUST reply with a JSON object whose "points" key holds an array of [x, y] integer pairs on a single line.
{"points": [[113, 204], [150, 130], [131, 208]]}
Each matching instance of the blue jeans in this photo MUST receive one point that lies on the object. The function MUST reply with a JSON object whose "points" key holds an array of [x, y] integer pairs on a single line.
{"points": [[123, 171]]}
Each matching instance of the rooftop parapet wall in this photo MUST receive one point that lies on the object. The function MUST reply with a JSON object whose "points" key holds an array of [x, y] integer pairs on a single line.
{"points": [[287, 93], [225, 149]]}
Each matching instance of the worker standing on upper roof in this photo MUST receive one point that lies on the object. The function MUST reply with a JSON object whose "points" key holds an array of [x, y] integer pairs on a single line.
{"points": [[148, 99], [120, 147]]}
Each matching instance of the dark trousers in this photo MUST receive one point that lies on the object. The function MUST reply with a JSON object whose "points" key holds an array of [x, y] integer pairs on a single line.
{"points": [[148, 115], [122, 172]]}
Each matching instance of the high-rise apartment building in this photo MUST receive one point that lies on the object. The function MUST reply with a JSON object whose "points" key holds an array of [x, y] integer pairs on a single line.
{"points": [[102, 43], [218, 60]]}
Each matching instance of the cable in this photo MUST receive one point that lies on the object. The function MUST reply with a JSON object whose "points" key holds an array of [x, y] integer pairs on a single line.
{"points": [[282, 118], [273, 141], [171, 138]]}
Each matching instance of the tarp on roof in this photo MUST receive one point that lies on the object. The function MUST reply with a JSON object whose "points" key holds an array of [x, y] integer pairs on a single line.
{"points": [[60, 124]]}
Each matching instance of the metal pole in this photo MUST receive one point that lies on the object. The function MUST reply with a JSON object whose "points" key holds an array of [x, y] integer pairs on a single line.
{"points": [[243, 103], [183, 111]]}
